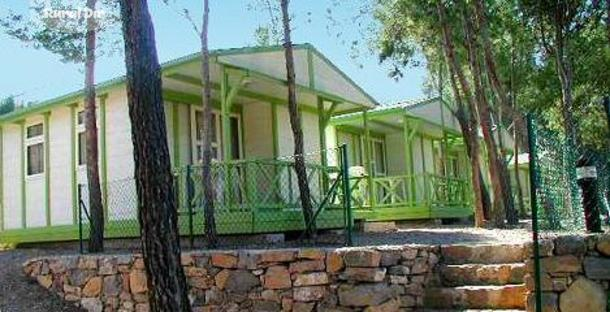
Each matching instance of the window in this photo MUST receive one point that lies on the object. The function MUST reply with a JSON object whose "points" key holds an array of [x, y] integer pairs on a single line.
{"points": [[35, 149], [379, 156], [82, 138], [354, 146], [217, 143], [199, 135]]}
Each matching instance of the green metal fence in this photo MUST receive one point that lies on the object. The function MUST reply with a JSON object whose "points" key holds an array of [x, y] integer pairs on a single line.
{"points": [[250, 197], [559, 205]]}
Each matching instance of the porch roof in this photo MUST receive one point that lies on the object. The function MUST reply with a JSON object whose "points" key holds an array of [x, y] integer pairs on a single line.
{"points": [[259, 71], [391, 118]]}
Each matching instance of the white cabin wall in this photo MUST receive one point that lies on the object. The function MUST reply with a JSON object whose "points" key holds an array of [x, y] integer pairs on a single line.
{"points": [[119, 158], [169, 128], [311, 137], [331, 142], [11, 180], [257, 130], [60, 161], [395, 153]]}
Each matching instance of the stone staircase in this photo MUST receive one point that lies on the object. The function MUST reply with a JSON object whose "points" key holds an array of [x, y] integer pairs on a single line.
{"points": [[479, 278]]}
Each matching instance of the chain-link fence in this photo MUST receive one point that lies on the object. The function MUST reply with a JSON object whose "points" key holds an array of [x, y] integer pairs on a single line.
{"points": [[251, 197], [570, 181], [569, 190]]}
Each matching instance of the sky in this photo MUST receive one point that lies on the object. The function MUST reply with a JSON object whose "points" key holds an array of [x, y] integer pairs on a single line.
{"points": [[35, 75]]}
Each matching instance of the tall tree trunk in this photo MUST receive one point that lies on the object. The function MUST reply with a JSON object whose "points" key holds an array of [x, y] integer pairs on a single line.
{"points": [[465, 116], [564, 71], [157, 211], [517, 174], [208, 185], [295, 123], [501, 95], [96, 208], [498, 214], [516, 127]]}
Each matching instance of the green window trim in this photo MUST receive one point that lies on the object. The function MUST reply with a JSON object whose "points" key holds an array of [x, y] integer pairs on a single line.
{"points": [[23, 169], [73, 164], [1, 179], [47, 168]]}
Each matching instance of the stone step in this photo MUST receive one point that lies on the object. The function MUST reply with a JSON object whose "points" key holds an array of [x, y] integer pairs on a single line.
{"points": [[484, 254], [476, 297], [482, 274]]}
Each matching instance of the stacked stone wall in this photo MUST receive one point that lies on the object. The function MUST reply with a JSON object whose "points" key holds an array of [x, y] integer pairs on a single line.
{"points": [[575, 274], [346, 279]]}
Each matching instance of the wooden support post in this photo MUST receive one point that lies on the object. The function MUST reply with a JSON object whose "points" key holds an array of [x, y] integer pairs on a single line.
{"points": [[368, 162], [225, 114], [322, 122], [408, 159]]}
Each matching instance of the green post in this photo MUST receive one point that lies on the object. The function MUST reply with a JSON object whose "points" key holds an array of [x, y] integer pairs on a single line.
{"points": [[347, 196], [47, 169], [73, 179], [368, 163], [322, 122], [1, 180], [104, 155], [23, 169], [408, 160], [534, 207], [189, 203]]}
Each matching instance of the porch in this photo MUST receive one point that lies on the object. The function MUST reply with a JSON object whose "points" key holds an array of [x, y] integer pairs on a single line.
{"points": [[412, 167], [259, 196]]}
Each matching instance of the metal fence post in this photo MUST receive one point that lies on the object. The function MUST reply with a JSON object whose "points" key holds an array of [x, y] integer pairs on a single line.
{"points": [[189, 204], [531, 140], [80, 219], [347, 196]]}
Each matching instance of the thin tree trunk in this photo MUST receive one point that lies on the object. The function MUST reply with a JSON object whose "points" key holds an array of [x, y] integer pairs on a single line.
{"points": [[501, 95], [516, 123], [208, 185], [564, 71], [517, 175], [295, 123], [157, 211], [96, 208], [466, 117], [498, 214]]}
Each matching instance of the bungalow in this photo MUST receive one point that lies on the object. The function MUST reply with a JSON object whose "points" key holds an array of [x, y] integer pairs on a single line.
{"points": [[413, 167], [42, 159]]}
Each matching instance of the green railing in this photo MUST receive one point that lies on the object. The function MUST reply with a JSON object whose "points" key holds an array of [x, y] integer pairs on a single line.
{"points": [[417, 196], [247, 185], [258, 196]]}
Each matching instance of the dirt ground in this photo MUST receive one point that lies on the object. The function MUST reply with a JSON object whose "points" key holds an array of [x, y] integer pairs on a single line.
{"points": [[18, 294]]}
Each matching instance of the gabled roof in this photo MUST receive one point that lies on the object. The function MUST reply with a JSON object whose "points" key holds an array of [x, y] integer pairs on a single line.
{"points": [[330, 81]]}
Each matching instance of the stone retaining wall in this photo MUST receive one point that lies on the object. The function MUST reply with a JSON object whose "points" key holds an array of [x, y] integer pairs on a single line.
{"points": [[346, 279], [575, 274]]}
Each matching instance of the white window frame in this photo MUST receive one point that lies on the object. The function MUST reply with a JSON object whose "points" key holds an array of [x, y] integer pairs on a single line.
{"points": [[219, 144], [80, 128], [39, 139]]}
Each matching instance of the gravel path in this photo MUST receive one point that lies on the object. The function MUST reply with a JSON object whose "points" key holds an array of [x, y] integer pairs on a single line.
{"points": [[18, 294]]}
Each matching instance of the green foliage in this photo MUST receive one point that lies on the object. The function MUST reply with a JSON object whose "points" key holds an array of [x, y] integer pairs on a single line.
{"points": [[521, 33], [63, 35], [269, 33], [7, 105]]}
